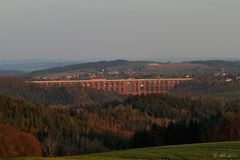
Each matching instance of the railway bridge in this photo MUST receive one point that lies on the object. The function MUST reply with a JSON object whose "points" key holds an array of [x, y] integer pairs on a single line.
{"points": [[122, 86]]}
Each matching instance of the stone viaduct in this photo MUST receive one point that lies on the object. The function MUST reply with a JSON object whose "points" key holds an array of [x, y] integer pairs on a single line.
{"points": [[122, 86]]}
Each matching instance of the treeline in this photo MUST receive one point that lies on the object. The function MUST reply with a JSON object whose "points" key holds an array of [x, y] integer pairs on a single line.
{"points": [[71, 120], [16, 143], [218, 128], [180, 108], [63, 130], [72, 95], [193, 120]]}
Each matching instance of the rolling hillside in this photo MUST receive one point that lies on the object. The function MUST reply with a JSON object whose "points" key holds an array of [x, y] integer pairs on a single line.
{"points": [[203, 151], [75, 67], [232, 95], [126, 69]]}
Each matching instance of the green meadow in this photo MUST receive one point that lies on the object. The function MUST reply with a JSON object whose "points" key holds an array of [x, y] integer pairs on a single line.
{"points": [[201, 151], [233, 94]]}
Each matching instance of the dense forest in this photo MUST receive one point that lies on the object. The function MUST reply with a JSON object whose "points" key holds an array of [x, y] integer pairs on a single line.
{"points": [[66, 130], [68, 120], [72, 95]]}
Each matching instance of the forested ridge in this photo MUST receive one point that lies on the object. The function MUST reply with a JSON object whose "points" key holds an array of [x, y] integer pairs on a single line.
{"points": [[179, 107], [72, 95], [192, 120], [68, 121], [64, 130]]}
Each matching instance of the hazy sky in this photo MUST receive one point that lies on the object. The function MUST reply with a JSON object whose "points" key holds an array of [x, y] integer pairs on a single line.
{"points": [[99, 29]]}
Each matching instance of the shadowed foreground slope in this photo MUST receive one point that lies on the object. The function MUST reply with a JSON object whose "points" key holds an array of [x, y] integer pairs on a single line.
{"points": [[203, 151]]}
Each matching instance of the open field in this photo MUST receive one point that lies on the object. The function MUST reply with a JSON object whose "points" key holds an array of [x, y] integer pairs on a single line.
{"points": [[203, 151], [233, 94]]}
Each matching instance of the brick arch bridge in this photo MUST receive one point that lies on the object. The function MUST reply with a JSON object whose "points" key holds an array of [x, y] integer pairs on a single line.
{"points": [[123, 86]]}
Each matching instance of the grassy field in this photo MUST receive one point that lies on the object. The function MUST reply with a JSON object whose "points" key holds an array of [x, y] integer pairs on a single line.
{"points": [[233, 94], [203, 151]]}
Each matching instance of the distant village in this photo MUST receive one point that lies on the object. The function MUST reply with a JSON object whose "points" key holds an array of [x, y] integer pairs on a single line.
{"points": [[220, 76]]}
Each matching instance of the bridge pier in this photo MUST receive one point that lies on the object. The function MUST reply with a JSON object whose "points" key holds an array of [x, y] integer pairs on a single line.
{"points": [[122, 86]]}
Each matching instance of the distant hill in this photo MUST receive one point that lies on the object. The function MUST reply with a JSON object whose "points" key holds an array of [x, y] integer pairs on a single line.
{"points": [[232, 66], [100, 64], [140, 68], [32, 65], [11, 73], [91, 66]]}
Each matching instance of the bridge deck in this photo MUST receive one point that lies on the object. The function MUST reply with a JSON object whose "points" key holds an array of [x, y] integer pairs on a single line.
{"points": [[123, 86]]}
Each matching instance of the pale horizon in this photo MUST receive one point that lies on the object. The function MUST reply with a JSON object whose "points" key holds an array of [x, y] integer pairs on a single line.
{"points": [[128, 29]]}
